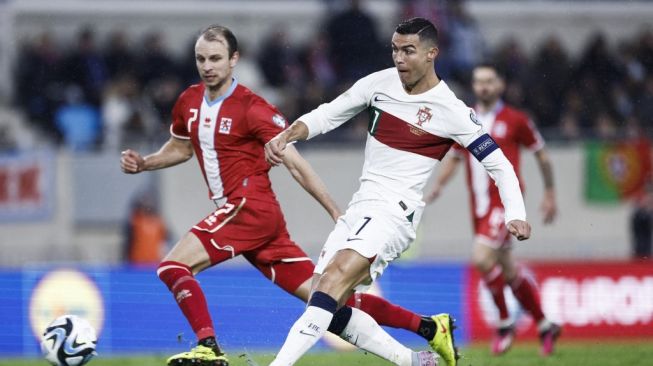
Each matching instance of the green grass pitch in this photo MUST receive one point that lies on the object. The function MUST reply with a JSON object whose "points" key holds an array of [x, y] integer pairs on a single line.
{"points": [[572, 354]]}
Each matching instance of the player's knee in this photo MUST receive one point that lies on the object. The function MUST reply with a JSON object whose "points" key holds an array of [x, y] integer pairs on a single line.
{"points": [[170, 272], [483, 263], [510, 273]]}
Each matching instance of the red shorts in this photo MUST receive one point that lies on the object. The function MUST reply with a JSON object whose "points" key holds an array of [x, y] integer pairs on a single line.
{"points": [[257, 230], [491, 230]]}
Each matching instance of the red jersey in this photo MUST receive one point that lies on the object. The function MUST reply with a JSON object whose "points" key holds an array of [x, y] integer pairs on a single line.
{"points": [[228, 135], [511, 129]]}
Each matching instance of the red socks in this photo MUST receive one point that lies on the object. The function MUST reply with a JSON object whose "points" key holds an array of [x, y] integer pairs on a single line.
{"points": [[189, 296], [526, 293], [495, 283], [385, 313]]}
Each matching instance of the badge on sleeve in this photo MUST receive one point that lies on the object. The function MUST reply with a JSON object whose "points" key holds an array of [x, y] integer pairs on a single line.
{"points": [[472, 116], [279, 120]]}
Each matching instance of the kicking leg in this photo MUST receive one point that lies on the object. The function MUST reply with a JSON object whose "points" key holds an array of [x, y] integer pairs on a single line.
{"points": [[177, 271], [346, 270]]}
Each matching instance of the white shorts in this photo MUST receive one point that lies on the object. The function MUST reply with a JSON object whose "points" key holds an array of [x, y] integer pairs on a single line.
{"points": [[378, 230]]}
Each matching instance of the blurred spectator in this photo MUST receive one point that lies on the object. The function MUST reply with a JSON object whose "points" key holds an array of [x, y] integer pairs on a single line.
{"points": [[605, 127], [154, 61], [548, 79], [319, 68], [644, 104], [278, 59], [118, 57], [511, 60], [122, 113], [162, 93], [597, 63], [157, 72], [37, 76], [146, 234], [355, 47], [641, 226], [14, 132], [569, 127], [433, 10], [78, 121], [466, 43], [645, 49], [85, 68]]}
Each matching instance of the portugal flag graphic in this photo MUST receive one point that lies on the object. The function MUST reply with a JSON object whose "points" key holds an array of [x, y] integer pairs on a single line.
{"points": [[616, 170]]}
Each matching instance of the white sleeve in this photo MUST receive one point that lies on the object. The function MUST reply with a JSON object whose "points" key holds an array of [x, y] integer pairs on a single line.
{"points": [[463, 127], [503, 174], [330, 115]]}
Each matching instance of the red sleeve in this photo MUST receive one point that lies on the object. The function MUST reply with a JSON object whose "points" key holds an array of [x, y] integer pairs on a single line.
{"points": [[528, 135], [178, 127], [265, 121]]}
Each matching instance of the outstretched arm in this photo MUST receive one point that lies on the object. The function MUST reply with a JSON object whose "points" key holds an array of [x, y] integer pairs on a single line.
{"points": [[173, 152], [447, 169], [304, 174], [548, 207], [275, 148], [503, 174]]}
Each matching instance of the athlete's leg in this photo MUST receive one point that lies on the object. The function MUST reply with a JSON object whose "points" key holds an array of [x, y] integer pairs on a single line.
{"points": [[202, 247], [385, 313], [523, 287], [177, 271], [486, 260], [345, 271], [526, 292]]}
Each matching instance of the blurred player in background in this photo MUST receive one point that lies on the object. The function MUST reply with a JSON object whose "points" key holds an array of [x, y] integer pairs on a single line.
{"points": [[414, 119], [492, 254], [226, 125]]}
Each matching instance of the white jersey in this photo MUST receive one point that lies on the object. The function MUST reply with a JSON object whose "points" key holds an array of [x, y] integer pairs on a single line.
{"points": [[409, 135]]}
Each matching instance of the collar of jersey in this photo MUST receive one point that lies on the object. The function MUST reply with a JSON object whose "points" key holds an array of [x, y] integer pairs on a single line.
{"points": [[226, 95]]}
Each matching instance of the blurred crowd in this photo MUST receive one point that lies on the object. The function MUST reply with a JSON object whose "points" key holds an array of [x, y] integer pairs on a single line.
{"points": [[90, 93]]}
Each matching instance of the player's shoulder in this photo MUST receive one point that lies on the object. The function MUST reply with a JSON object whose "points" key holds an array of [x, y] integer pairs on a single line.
{"points": [[252, 102], [385, 75], [193, 91], [514, 114], [246, 96], [377, 78]]}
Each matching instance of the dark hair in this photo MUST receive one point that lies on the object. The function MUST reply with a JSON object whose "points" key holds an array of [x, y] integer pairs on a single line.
{"points": [[491, 66], [420, 26], [213, 31]]}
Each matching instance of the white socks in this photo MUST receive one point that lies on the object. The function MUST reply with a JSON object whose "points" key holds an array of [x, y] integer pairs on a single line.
{"points": [[363, 331], [306, 331], [360, 330]]}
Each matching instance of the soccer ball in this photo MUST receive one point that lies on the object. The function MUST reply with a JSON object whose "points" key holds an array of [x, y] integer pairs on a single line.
{"points": [[69, 341]]}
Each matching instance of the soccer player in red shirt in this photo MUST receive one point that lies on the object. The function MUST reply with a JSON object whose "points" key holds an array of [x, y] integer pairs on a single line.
{"points": [[492, 254], [225, 125]]}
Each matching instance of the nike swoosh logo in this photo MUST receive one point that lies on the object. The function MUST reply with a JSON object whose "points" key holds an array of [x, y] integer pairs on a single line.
{"points": [[352, 239], [308, 334], [377, 99], [443, 329]]}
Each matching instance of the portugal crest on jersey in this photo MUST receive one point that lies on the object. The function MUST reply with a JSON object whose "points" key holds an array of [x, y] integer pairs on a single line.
{"points": [[424, 115]]}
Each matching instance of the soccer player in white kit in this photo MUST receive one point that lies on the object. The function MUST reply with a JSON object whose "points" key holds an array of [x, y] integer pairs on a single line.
{"points": [[414, 119]]}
